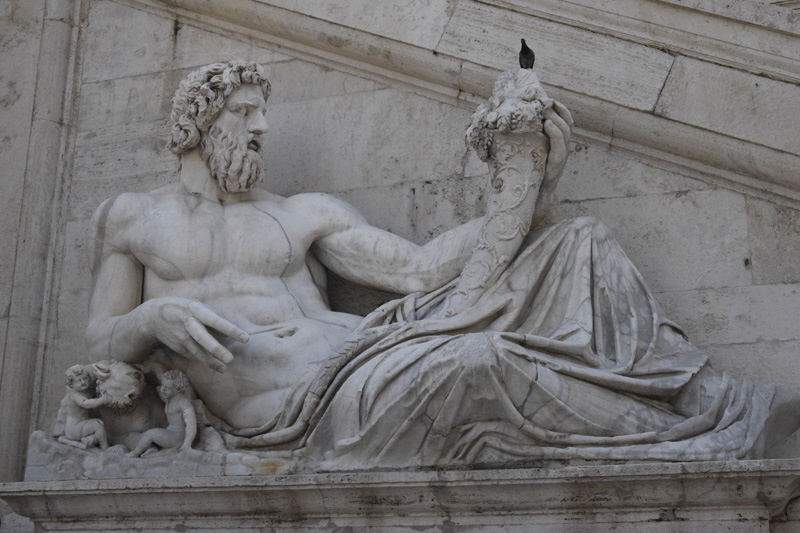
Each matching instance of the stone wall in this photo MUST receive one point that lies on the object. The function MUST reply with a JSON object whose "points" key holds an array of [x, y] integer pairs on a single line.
{"points": [[20, 28], [687, 153], [35, 73]]}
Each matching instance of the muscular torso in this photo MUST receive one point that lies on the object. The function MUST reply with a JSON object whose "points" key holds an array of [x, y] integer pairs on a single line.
{"points": [[247, 262]]}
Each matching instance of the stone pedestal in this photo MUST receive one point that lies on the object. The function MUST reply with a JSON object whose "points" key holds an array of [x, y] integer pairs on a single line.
{"points": [[744, 496]]}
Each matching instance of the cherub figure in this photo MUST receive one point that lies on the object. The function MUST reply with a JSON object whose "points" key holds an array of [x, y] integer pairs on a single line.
{"points": [[181, 419], [73, 424]]}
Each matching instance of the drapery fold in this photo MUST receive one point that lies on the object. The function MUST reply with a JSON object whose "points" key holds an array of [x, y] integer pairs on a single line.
{"points": [[567, 355]]}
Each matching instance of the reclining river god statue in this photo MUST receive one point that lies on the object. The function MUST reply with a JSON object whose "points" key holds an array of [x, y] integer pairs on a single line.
{"points": [[515, 340]]}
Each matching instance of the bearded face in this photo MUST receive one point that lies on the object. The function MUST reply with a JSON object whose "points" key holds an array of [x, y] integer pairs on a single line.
{"points": [[233, 157]]}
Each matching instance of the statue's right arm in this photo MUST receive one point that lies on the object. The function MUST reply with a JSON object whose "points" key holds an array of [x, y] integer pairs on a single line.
{"points": [[121, 325], [117, 328]]}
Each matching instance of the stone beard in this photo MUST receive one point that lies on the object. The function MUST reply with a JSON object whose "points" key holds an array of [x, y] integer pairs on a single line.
{"points": [[235, 166]]}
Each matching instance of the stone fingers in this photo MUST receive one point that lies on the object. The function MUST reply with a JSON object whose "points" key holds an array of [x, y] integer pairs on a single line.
{"points": [[558, 142], [564, 124], [211, 319], [186, 346], [210, 350], [564, 114]]}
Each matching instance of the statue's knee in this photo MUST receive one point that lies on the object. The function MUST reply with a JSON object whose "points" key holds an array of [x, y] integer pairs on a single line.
{"points": [[477, 353], [588, 223]]}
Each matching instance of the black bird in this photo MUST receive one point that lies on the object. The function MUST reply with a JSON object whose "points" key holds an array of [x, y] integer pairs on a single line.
{"points": [[526, 56]]}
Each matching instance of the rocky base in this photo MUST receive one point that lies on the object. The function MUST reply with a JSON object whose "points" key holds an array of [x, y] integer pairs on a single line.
{"points": [[49, 460], [740, 497]]}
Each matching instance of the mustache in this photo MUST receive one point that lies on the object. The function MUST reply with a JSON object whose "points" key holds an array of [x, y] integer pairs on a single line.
{"points": [[233, 165]]}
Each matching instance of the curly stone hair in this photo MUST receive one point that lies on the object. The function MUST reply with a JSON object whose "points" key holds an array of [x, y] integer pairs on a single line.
{"points": [[74, 372], [201, 96], [178, 378]]}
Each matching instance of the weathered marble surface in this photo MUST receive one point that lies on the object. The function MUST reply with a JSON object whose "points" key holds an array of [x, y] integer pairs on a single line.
{"points": [[49, 460], [74, 426], [514, 341], [740, 497], [657, 207], [34, 69], [108, 85], [672, 223]]}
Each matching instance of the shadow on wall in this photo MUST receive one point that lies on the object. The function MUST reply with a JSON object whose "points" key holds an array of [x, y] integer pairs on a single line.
{"points": [[347, 297]]}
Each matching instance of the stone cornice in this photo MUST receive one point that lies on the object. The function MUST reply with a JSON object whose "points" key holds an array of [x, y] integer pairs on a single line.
{"points": [[765, 45], [610, 69], [744, 492]]}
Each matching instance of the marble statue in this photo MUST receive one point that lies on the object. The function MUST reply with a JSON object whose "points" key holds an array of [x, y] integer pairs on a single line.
{"points": [[73, 423], [181, 419], [133, 407], [515, 340]]}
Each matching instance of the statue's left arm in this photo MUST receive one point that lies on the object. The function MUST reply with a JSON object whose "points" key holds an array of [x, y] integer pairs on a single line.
{"points": [[558, 127], [366, 255]]}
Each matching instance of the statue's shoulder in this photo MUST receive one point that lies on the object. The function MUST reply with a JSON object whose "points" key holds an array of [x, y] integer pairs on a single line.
{"points": [[264, 196], [319, 202], [122, 211], [326, 212], [314, 214]]}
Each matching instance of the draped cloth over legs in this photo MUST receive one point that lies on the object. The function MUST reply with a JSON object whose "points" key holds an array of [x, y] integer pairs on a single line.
{"points": [[567, 355]]}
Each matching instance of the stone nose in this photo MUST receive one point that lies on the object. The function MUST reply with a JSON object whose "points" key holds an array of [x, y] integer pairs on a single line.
{"points": [[258, 124]]}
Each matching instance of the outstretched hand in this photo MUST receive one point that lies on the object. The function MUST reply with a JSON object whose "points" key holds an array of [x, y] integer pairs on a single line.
{"points": [[182, 325]]}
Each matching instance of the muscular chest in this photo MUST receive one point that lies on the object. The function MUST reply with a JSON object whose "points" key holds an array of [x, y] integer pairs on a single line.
{"points": [[202, 241]]}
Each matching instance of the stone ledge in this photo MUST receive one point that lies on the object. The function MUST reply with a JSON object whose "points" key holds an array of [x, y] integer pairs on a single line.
{"points": [[747, 35], [720, 496]]}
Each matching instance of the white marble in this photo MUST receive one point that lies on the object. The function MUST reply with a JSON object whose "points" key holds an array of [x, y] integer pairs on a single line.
{"points": [[276, 302], [73, 424], [515, 340], [646, 162], [175, 391]]}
